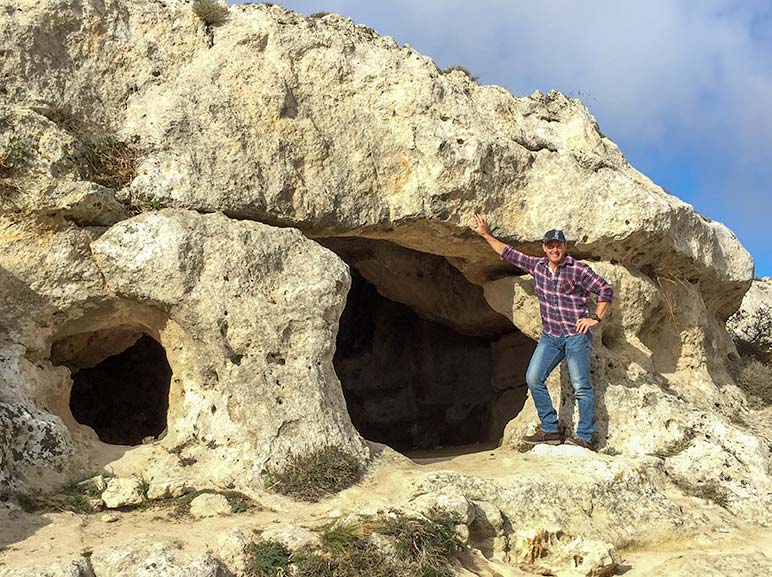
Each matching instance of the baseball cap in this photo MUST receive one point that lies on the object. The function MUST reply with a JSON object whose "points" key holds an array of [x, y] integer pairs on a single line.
{"points": [[554, 234]]}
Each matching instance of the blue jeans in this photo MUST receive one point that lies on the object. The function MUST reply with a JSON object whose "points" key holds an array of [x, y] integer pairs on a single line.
{"points": [[548, 354]]}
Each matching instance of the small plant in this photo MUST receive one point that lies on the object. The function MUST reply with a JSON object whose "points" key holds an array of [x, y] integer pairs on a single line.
{"points": [[210, 12], [267, 559], [755, 378], [144, 486], [317, 474], [106, 161], [469, 75], [318, 14], [341, 536], [419, 546], [15, 154]]}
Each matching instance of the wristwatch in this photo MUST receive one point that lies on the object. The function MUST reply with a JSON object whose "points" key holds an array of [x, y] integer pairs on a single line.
{"points": [[595, 317]]}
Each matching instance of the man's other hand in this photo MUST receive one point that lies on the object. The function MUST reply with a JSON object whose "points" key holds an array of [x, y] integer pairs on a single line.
{"points": [[585, 324]]}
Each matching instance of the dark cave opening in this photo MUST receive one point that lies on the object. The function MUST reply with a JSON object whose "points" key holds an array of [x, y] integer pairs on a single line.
{"points": [[417, 384], [125, 397]]}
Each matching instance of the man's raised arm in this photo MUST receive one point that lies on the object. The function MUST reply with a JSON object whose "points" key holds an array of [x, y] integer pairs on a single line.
{"points": [[506, 252], [481, 227]]}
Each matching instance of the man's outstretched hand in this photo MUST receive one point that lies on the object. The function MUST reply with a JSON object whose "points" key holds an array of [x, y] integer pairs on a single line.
{"points": [[481, 225]]}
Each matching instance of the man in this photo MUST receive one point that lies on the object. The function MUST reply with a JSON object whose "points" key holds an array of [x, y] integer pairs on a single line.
{"points": [[562, 286]]}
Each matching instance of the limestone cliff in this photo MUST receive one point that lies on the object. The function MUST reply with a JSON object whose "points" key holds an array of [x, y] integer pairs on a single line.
{"points": [[302, 258]]}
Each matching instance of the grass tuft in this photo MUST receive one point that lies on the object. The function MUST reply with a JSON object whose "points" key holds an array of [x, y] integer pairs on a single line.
{"points": [[427, 543], [346, 551], [267, 559], [105, 160], [210, 12], [317, 474]]}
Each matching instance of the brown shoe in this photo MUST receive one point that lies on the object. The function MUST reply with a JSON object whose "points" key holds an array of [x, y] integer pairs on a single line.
{"points": [[542, 437], [579, 443]]}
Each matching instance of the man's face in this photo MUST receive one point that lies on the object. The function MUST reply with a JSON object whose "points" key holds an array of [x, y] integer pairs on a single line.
{"points": [[555, 251]]}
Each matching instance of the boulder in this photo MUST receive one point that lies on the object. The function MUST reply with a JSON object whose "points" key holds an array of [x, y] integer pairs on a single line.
{"points": [[79, 567], [563, 555], [123, 493], [161, 558], [751, 325], [209, 505]]}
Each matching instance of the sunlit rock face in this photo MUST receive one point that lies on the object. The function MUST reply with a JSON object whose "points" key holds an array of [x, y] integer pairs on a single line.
{"points": [[328, 152]]}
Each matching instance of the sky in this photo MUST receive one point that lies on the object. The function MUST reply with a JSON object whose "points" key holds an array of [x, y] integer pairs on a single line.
{"points": [[683, 87]]}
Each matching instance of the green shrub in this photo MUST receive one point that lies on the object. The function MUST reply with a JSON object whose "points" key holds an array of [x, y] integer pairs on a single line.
{"points": [[267, 559], [210, 12], [317, 474]]}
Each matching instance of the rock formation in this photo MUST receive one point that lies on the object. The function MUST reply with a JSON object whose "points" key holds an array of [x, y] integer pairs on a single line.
{"points": [[292, 263]]}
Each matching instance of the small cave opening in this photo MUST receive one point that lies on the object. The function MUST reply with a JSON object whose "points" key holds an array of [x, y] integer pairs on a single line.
{"points": [[125, 396], [416, 382]]}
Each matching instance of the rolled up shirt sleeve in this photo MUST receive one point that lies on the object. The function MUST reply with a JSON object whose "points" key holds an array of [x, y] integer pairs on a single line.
{"points": [[597, 285], [519, 259]]}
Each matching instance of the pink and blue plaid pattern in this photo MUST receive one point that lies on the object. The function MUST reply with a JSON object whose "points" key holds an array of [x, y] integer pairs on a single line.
{"points": [[562, 296]]}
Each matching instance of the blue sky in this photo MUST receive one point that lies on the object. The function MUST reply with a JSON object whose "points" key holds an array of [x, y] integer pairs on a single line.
{"points": [[683, 87]]}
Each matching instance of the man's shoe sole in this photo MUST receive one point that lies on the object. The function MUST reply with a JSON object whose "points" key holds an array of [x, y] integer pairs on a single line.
{"points": [[555, 442]]}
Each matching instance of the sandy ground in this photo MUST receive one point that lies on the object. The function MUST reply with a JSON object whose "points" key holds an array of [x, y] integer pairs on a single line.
{"points": [[57, 536]]}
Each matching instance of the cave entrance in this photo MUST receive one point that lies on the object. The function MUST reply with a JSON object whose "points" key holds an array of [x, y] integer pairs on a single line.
{"points": [[124, 397], [426, 366]]}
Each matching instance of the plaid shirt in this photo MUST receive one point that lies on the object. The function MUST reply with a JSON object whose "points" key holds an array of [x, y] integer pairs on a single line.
{"points": [[562, 295]]}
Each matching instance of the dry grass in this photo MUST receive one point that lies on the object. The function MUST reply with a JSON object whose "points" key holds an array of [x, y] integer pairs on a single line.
{"points": [[755, 378], [106, 161], [315, 475], [411, 546], [469, 75], [71, 497]]}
